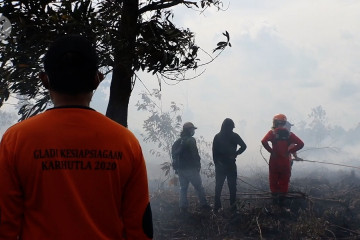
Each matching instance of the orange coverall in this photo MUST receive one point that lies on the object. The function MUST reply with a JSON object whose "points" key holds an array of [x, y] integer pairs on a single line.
{"points": [[72, 173], [279, 163]]}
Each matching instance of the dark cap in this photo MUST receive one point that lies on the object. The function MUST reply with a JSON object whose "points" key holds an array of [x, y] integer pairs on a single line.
{"points": [[189, 125]]}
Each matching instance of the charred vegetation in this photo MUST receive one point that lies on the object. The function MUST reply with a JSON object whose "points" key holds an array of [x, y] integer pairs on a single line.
{"points": [[319, 207]]}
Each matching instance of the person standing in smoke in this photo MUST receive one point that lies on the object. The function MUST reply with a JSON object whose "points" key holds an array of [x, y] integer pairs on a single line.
{"points": [[225, 151], [189, 168], [284, 143]]}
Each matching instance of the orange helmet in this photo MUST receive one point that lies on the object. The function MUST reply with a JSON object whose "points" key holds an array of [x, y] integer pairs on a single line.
{"points": [[280, 117], [279, 120]]}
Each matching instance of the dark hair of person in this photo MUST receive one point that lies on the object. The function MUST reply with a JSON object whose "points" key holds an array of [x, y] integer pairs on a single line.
{"points": [[227, 126], [71, 64]]}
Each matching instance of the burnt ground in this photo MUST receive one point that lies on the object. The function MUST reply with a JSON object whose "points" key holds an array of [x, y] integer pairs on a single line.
{"points": [[316, 208]]}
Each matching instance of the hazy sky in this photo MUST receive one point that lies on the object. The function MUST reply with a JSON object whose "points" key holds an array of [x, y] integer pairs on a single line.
{"points": [[287, 56]]}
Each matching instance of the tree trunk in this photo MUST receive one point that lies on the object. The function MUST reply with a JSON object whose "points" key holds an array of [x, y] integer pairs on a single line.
{"points": [[124, 53]]}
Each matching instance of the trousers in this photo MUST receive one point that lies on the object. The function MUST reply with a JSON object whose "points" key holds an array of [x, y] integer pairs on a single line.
{"points": [[187, 176], [279, 175], [225, 171]]}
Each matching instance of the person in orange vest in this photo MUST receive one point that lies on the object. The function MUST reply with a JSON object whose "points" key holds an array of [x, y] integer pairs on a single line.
{"points": [[70, 172], [283, 144]]}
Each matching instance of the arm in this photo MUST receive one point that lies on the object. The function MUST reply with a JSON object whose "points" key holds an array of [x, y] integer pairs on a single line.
{"points": [[215, 150], [242, 145], [296, 143], [136, 208], [194, 151], [265, 141], [11, 196]]}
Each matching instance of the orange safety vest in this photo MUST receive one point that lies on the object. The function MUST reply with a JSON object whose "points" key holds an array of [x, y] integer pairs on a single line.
{"points": [[72, 173]]}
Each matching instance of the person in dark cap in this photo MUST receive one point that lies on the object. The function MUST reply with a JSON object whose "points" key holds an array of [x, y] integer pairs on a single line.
{"points": [[71, 172], [189, 168], [225, 150]]}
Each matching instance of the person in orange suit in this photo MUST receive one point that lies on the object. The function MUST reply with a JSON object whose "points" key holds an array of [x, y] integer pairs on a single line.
{"points": [[283, 144], [71, 173]]}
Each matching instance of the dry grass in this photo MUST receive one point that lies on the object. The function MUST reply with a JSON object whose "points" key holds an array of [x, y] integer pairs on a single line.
{"points": [[313, 210]]}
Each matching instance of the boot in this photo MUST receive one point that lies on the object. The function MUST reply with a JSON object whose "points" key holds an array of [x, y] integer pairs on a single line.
{"points": [[281, 200], [275, 198]]}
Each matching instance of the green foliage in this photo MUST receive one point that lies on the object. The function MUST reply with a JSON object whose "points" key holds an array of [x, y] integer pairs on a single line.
{"points": [[34, 25], [161, 127], [130, 35], [205, 150], [162, 47], [222, 45]]}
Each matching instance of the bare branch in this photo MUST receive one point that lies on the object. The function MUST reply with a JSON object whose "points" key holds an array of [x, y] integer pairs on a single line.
{"points": [[164, 4]]}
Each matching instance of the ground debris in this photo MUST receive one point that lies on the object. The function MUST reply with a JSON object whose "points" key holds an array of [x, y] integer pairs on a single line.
{"points": [[330, 212]]}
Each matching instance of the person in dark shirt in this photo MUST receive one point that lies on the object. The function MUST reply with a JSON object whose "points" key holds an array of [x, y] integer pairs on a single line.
{"points": [[225, 150], [189, 168]]}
